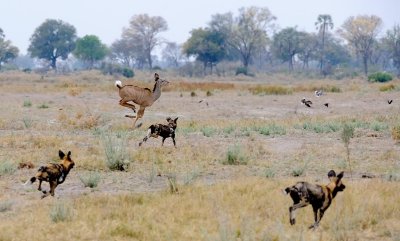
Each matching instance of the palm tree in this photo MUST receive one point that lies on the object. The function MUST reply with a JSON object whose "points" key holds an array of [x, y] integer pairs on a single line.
{"points": [[324, 21]]}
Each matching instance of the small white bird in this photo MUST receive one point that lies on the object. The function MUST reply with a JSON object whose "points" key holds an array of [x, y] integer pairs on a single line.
{"points": [[318, 93]]}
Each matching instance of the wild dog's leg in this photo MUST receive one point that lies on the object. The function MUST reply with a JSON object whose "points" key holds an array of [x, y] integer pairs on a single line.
{"points": [[293, 208], [163, 139], [173, 139], [40, 185], [315, 210], [146, 137], [53, 185]]}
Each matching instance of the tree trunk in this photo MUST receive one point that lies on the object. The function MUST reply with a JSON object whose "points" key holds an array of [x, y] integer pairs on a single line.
{"points": [[291, 63], [365, 63], [53, 63], [321, 63]]}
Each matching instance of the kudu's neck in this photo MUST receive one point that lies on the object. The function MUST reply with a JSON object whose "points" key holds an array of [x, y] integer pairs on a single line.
{"points": [[157, 90]]}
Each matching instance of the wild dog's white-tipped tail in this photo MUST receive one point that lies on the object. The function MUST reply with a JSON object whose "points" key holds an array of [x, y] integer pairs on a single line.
{"points": [[286, 191], [30, 181], [118, 84]]}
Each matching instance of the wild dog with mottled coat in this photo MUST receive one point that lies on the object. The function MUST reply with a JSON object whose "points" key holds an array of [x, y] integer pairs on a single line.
{"points": [[54, 173], [319, 196], [162, 130]]}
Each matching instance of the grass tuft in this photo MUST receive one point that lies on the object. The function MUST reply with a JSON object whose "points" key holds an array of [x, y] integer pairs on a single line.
{"points": [[60, 212], [90, 179], [235, 156]]}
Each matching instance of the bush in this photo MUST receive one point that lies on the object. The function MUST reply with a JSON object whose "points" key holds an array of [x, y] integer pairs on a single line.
{"points": [[7, 167], [60, 212], [380, 77], [387, 87], [90, 180], [5, 206], [117, 158], [234, 156], [128, 73], [270, 90], [396, 132], [241, 70]]}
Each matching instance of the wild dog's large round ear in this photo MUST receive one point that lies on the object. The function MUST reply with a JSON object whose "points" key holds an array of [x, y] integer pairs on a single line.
{"points": [[61, 154], [176, 119], [69, 153], [168, 119], [340, 175], [331, 173]]}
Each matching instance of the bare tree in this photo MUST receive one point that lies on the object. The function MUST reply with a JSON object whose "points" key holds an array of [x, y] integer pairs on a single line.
{"points": [[247, 32], [143, 30], [323, 24], [172, 54], [361, 32], [392, 41]]}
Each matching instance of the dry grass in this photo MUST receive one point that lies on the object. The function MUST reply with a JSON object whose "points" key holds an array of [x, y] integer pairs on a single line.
{"points": [[273, 136], [243, 209]]}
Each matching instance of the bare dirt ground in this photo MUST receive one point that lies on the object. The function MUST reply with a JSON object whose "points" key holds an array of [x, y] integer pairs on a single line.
{"points": [[78, 119]]}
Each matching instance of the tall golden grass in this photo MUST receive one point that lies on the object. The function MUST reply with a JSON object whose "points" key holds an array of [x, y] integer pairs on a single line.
{"points": [[242, 209]]}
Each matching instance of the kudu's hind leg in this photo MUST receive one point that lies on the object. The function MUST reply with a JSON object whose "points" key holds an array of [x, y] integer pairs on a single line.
{"points": [[125, 103]]}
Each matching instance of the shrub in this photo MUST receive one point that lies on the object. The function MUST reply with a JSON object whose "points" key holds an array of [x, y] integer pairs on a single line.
{"points": [[7, 167], [241, 70], [269, 173], [396, 132], [27, 103], [234, 156], [5, 206], [43, 106], [270, 90], [380, 77], [115, 151], [387, 87], [271, 129], [208, 131], [193, 94], [128, 73], [209, 93], [90, 180], [60, 212]]}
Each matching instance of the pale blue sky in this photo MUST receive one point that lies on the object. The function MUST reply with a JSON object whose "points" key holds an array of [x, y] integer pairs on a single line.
{"points": [[19, 18]]}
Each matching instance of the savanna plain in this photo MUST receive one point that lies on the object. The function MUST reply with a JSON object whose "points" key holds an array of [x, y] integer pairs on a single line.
{"points": [[240, 141]]}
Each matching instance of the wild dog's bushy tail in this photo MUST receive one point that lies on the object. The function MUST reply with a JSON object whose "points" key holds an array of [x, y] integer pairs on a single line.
{"points": [[287, 190], [30, 181]]}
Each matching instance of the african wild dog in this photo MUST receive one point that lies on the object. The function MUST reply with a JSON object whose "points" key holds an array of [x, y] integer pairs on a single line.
{"points": [[53, 173], [162, 130], [319, 196]]}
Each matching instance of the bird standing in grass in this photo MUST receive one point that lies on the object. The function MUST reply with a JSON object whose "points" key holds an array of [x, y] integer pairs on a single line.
{"points": [[305, 102]]}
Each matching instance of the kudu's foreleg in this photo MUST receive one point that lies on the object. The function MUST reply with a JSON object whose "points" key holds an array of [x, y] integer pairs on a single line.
{"points": [[125, 103]]}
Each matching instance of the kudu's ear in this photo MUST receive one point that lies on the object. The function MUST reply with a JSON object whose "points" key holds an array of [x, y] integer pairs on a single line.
{"points": [[156, 76], [61, 154], [331, 173], [340, 175]]}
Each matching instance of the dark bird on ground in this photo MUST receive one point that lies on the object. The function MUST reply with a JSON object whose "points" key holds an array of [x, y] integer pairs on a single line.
{"points": [[390, 102], [305, 102], [326, 104]]}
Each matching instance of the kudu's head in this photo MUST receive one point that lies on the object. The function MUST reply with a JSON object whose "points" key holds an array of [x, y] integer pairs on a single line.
{"points": [[162, 82], [336, 183], [66, 160]]}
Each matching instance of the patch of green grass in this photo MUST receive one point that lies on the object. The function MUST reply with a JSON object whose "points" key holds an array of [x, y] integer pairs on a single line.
{"points": [[235, 156], [208, 131], [319, 127], [270, 130], [378, 126], [27, 122], [269, 172], [43, 106]]}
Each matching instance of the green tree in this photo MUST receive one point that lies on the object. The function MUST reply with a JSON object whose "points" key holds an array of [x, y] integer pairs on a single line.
{"points": [[206, 45], [7, 51], [143, 30], [323, 24], [53, 39], [361, 32], [392, 42], [287, 43], [90, 49], [245, 33]]}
